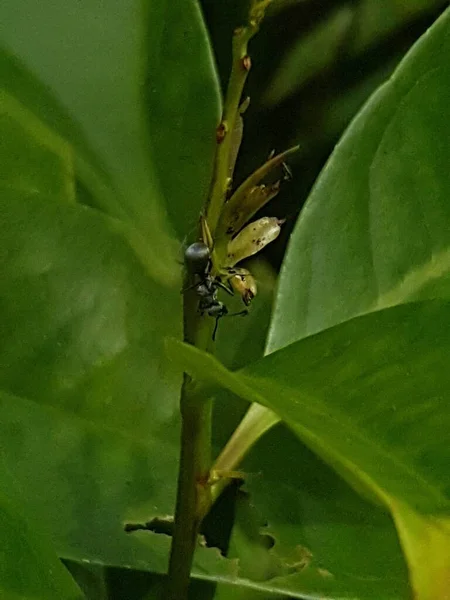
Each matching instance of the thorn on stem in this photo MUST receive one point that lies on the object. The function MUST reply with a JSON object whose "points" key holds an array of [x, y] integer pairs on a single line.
{"points": [[246, 63]]}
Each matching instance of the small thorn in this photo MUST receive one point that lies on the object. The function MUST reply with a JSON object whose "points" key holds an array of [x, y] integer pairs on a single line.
{"points": [[246, 63]]}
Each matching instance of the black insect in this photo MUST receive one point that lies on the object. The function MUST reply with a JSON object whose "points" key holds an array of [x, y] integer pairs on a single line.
{"points": [[198, 263]]}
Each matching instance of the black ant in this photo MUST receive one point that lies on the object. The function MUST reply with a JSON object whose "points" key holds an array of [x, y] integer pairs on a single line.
{"points": [[197, 258]]}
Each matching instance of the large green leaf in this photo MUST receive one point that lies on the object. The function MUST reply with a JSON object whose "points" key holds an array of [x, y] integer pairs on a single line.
{"points": [[182, 105], [36, 98], [81, 331], [312, 511], [374, 232], [373, 186], [394, 359], [89, 404], [157, 146], [91, 59], [82, 324], [370, 397], [33, 158], [29, 568], [318, 525]]}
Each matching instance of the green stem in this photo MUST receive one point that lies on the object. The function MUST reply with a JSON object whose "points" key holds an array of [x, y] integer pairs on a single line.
{"points": [[239, 70], [194, 495], [194, 491]]}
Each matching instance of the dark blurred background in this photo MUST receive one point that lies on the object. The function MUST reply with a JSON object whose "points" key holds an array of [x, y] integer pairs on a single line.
{"points": [[315, 63]]}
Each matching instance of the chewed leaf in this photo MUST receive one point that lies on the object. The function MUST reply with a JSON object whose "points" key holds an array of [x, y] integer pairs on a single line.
{"points": [[253, 238]]}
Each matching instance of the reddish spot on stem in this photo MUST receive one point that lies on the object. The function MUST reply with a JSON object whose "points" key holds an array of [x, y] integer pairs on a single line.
{"points": [[221, 132], [202, 479], [247, 63]]}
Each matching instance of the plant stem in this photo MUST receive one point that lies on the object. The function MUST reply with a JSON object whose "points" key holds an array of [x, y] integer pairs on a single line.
{"points": [[194, 495], [241, 65], [194, 491]]}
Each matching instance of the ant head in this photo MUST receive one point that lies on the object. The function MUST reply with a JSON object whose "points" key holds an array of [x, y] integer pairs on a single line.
{"points": [[197, 257]]}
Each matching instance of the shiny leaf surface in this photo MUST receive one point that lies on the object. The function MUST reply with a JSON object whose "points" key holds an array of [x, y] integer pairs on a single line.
{"points": [[374, 231], [369, 397]]}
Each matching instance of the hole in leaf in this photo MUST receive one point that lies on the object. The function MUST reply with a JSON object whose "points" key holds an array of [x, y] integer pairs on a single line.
{"points": [[162, 525]]}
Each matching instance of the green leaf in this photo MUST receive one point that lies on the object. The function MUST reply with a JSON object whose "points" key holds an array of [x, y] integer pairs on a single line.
{"points": [[311, 510], [92, 579], [92, 59], [81, 332], [156, 141], [29, 568], [33, 159], [182, 105], [374, 231], [396, 359], [83, 479], [426, 541], [89, 402], [36, 98], [315, 515], [82, 323], [369, 397]]}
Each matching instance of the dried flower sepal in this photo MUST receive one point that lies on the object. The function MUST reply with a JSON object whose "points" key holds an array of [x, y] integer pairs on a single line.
{"points": [[251, 196]]}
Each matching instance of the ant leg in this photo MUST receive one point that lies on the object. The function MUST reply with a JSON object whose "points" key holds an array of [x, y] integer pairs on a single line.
{"points": [[215, 328], [229, 290], [191, 287], [237, 314], [241, 313]]}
